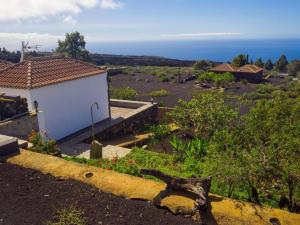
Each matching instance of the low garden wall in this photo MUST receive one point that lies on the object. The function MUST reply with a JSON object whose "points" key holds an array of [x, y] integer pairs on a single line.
{"points": [[162, 114], [20, 127], [11, 106], [145, 114], [127, 104]]}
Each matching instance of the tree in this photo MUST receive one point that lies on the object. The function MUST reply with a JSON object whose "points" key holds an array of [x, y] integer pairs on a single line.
{"points": [[240, 60], [269, 65], [281, 64], [271, 142], [293, 67], [73, 46], [259, 63], [201, 65], [204, 114]]}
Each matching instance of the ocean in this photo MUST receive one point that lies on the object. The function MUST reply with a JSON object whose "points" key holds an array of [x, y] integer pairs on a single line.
{"points": [[216, 50]]}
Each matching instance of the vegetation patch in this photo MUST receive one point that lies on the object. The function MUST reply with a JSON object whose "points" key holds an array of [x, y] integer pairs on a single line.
{"points": [[218, 79], [42, 144], [125, 93], [159, 93], [268, 91], [69, 216], [253, 157]]}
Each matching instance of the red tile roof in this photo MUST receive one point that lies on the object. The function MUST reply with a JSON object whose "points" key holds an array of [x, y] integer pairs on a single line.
{"points": [[4, 64], [225, 68], [43, 71], [249, 68]]}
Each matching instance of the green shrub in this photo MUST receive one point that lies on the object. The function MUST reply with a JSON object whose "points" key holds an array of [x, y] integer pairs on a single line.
{"points": [[177, 144], [159, 93], [42, 144], [125, 93], [265, 88], [160, 131], [218, 79], [207, 77], [244, 82], [163, 78], [193, 150], [69, 216], [256, 96]]}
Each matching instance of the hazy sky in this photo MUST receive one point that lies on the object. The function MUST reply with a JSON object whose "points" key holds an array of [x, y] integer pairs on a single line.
{"points": [[45, 21]]}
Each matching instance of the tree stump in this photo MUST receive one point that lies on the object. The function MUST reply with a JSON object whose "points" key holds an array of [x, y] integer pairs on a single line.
{"points": [[198, 186]]}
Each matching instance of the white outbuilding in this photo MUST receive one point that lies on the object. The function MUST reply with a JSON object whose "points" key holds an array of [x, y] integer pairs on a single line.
{"points": [[62, 89]]}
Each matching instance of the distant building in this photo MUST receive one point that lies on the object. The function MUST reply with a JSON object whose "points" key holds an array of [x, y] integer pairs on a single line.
{"points": [[63, 89], [249, 72]]}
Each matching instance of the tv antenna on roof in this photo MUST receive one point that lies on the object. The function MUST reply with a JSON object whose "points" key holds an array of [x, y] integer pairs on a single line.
{"points": [[27, 47]]}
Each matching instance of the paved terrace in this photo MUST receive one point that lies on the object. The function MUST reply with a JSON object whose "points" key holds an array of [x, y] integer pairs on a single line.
{"points": [[74, 145]]}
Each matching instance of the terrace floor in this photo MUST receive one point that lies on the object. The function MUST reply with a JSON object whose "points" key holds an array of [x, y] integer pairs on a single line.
{"points": [[74, 145]]}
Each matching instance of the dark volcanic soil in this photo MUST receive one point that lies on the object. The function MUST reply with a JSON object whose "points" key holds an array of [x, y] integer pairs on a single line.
{"points": [[28, 197], [144, 84]]}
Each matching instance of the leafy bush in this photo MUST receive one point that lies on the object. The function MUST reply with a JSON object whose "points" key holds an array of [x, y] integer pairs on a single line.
{"points": [[265, 88], [159, 93], [191, 153], [69, 216], [218, 79], [244, 82], [207, 77], [177, 144], [260, 155], [256, 96], [204, 114], [42, 144], [160, 131], [164, 78], [125, 93], [192, 149]]}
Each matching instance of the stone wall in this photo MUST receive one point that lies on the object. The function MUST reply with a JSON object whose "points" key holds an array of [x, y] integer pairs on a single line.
{"points": [[162, 114], [20, 127], [147, 115], [11, 106]]}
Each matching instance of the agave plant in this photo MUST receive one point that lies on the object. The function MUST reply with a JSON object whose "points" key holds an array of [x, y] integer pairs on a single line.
{"points": [[195, 149]]}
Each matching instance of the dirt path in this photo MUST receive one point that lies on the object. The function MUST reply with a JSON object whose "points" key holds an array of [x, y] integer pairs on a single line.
{"points": [[28, 197]]}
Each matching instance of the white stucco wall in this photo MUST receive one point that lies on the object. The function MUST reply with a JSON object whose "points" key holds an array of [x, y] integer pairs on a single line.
{"points": [[66, 106]]}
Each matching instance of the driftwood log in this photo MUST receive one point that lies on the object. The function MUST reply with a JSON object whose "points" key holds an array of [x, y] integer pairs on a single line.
{"points": [[198, 186]]}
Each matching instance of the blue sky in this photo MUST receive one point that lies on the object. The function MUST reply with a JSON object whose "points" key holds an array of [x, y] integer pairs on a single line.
{"points": [[45, 21]]}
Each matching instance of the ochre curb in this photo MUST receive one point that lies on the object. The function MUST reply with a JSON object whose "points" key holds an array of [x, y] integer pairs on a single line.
{"points": [[222, 211]]}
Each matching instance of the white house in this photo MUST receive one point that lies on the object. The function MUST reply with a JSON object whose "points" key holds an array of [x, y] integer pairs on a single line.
{"points": [[64, 90]]}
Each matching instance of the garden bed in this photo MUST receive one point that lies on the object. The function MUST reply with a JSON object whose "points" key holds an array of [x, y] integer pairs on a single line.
{"points": [[29, 197]]}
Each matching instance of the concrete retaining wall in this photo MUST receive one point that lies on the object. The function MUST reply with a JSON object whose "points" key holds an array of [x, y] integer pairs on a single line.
{"points": [[127, 104], [20, 127], [145, 114]]}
